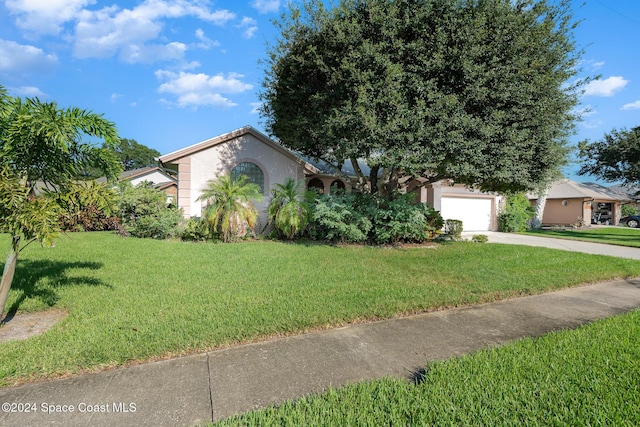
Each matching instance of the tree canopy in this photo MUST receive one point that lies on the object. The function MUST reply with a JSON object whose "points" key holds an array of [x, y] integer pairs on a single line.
{"points": [[615, 157], [476, 91], [133, 155]]}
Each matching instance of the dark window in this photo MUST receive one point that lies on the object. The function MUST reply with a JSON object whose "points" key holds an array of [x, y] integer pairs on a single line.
{"points": [[251, 171], [316, 185]]}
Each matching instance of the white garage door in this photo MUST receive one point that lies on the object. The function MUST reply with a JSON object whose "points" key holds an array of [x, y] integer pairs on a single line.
{"points": [[475, 214]]}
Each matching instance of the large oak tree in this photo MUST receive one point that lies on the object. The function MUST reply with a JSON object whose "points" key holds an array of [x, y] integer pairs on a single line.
{"points": [[477, 91]]}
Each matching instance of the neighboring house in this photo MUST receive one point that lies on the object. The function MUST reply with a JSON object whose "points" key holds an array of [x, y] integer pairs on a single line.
{"points": [[570, 202], [632, 193], [158, 177], [248, 152]]}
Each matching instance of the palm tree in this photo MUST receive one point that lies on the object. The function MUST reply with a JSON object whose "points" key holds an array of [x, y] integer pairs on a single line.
{"points": [[289, 209], [40, 142], [229, 205]]}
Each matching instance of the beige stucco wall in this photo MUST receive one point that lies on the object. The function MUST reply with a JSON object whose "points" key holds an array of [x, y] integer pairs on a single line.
{"points": [[221, 159], [555, 213]]}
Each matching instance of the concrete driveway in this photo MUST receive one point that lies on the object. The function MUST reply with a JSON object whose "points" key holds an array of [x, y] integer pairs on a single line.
{"points": [[563, 244]]}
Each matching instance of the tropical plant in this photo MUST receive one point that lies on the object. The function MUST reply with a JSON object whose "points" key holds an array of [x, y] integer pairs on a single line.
{"points": [[230, 211], [144, 212], [40, 142], [289, 208], [86, 206]]}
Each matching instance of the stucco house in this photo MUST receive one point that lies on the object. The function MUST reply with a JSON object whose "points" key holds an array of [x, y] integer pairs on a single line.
{"points": [[570, 202], [247, 151], [158, 177]]}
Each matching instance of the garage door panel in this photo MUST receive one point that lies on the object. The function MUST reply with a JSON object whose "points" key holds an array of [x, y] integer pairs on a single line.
{"points": [[475, 213]]}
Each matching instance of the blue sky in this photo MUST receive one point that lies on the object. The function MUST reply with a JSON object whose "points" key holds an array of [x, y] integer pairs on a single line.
{"points": [[171, 73]]}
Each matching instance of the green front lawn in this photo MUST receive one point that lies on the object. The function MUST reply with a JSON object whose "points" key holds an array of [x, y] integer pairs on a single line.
{"points": [[590, 376], [136, 299], [622, 236]]}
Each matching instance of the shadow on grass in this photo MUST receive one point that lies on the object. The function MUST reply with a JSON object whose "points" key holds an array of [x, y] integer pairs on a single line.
{"points": [[40, 280]]}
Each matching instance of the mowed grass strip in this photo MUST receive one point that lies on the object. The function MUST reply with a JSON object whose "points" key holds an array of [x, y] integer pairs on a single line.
{"points": [[621, 236], [133, 299], [590, 376]]}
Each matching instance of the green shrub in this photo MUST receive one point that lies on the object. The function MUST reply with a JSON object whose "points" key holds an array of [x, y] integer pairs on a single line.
{"points": [[336, 219], [402, 220], [196, 230], [480, 238], [86, 206], [628, 210], [144, 212], [453, 229], [516, 215], [363, 217]]}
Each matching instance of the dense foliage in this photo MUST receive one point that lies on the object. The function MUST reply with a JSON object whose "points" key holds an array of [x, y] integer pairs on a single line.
{"points": [[289, 208], [477, 91], [230, 211], [516, 215], [616, 157], [358, 217], [144, 212], [86, 206]]}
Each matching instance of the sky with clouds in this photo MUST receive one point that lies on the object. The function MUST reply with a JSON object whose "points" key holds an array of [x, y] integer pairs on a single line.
{"points": [[171, 73]]}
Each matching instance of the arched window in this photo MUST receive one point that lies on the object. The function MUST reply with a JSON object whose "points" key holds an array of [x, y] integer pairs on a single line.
{"points": [[336, 186], [316, 185], [251, 171]]}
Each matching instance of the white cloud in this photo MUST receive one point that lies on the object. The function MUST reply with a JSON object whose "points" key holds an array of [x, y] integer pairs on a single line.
{"points": [[17, 59], [250, 27], [255, 107], [45, 16], [205, 42], [29, 92], [266, 6], [110, 30], [606, 87], [200, 89], [631, 106]]}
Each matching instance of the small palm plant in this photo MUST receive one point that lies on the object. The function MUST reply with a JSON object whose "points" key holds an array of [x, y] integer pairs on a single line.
{"points": [[289, 208], [229, 206]]}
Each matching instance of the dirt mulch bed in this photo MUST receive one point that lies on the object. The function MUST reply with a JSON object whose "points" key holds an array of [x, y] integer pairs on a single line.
{"points": [[24, 325]]}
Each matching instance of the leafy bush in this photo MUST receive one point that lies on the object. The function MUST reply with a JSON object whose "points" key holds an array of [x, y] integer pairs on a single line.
{"points": [[336, 219], [480, 238], [144, 212], [86, 206], [363, 217], [453, 229], [517, 214], [628, 210], [196, 230], [403, 220]]}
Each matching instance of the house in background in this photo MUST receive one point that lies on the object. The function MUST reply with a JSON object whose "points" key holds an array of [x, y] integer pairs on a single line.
{"points": [[570, 202], [158, 177], [247, 151]]}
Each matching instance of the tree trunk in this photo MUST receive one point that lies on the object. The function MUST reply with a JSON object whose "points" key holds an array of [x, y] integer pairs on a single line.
{"points": [[9, 270], [541, 201]]}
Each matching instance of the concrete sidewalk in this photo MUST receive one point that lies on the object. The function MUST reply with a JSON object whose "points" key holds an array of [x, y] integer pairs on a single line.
{"points": [[205, 387]]}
